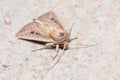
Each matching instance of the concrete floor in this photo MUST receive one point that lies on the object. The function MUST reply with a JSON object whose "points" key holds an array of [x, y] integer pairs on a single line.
{"points": [[95, 21]]}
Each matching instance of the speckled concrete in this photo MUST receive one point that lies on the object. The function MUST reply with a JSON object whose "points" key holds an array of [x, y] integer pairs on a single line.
{"points": [[95, 21]]}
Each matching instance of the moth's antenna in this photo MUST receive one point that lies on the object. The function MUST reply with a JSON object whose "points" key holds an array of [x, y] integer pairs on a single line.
{"points": [[84, 45], [71, 29], [44, 47]]}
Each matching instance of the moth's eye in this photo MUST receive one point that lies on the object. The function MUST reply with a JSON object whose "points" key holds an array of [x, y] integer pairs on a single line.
{"points": [[61, 34]]}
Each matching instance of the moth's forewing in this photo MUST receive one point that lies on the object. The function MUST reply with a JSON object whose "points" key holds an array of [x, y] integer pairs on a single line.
{"points": [[56, 29], [46, 29], [34, 31], [51, 19]]}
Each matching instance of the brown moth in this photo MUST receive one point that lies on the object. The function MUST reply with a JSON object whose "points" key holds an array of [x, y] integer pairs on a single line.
{"points": [[48, 29]]}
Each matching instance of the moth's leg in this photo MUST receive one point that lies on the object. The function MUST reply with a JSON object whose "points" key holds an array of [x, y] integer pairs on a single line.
{"points": [[73, 39], [48, 45], [57, 50], [58, 58]]}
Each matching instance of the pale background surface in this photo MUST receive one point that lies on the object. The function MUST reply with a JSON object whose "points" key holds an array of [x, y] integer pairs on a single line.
{"points": [[94, 21]]}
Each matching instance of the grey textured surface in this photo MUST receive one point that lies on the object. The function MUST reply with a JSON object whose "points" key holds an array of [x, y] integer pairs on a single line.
{"points": [[94, 21]]}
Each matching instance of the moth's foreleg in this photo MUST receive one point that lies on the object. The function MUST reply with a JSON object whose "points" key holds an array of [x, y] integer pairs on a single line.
{"points": [[48, 45], [58, 58], [73, 39], [57, 50]]}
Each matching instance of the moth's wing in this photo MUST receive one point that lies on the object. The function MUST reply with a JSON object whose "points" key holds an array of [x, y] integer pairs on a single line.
{"points": [[33, 31], [51, 19]]}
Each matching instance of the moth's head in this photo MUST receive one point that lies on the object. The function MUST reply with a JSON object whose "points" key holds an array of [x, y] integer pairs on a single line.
{"points": [[60, 36]]}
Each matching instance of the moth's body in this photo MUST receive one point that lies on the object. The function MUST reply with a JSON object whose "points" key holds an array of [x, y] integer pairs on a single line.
{"points": [[58, 35], [45, 29]]}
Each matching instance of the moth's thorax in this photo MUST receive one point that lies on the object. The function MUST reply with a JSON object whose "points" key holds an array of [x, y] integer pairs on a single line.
{"points": [[59, 35]]}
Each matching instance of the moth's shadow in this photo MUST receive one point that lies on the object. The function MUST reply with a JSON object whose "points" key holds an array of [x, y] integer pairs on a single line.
{"points": [[43, 43], [36, 42]]}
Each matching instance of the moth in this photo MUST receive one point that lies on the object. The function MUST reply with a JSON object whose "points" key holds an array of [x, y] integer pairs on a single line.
{"points": [[47, 29]]}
